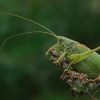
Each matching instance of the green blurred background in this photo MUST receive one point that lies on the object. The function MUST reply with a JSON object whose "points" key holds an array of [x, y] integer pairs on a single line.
{"points": [[25, 74]]}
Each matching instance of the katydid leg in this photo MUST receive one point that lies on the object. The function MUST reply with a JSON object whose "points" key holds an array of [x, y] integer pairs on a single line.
{"points": [[61, 57], [50, 49]]}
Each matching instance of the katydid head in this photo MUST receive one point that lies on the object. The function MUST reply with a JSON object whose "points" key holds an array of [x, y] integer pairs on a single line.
{"points": [[60, 40], [63, 41]]}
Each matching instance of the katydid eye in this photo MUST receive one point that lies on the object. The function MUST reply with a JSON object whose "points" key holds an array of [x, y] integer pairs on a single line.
{"points": [[61, 40]]}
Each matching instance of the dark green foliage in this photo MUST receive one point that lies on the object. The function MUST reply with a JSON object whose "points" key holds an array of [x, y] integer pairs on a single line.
{"points": [[25, 74]]}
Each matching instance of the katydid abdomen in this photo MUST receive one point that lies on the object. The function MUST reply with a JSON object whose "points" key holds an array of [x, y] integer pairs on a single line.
{"points": [[90, 65]]}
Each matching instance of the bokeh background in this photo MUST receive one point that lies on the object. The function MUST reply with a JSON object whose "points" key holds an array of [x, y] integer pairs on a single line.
{"points": [[25, 74]]}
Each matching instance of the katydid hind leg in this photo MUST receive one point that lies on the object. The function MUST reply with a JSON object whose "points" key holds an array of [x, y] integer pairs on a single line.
{"points": [[78, 57]]}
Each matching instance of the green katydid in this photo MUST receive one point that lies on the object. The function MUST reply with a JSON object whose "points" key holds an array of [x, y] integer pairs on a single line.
{"points": [[80, 57]]}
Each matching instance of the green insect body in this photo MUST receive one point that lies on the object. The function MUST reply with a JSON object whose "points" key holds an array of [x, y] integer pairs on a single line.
{"points": [[80, 57]]}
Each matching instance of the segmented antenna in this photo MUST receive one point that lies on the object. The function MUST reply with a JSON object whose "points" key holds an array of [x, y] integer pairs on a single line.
{"points": [[30, 21], [22, 34], [49, 31]]}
